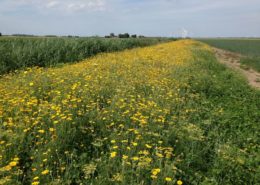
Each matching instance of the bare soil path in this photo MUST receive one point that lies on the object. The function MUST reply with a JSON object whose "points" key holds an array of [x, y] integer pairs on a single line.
{"points": [[232, 60]]}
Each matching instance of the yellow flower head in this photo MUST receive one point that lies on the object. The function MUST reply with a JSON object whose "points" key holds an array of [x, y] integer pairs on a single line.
{"points": [[7, 168], [113, 141], [13, 163], [115, 147], [153, 176], [36, 183], [41, 131], [135, 158], [113, 154], [179, 182], [156, 171], [16, 159], [168, 179], [45, 172], [125, 157], [36, 178]]}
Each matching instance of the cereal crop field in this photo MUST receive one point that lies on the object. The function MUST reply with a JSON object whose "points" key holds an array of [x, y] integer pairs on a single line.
{"points": [[163, 114], [22, 52]]}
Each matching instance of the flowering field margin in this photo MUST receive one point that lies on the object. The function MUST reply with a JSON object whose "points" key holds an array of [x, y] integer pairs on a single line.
{"points": [[165, 114]]}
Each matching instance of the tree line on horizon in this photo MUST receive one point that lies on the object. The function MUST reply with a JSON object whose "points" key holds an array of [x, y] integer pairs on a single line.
{"points": [[111, 35]]}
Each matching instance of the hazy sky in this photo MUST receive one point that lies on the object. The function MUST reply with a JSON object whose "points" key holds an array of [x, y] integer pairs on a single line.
{"points": [[195, 18]]}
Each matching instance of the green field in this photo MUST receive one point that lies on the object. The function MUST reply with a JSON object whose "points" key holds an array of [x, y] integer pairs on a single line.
{"points": [[21, 52], [250, 48], [158, 115]]}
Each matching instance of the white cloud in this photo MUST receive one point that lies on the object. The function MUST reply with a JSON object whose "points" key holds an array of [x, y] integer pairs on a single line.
{"points": [[52, 4], [93, 5], [61, 5], [146, 17]]}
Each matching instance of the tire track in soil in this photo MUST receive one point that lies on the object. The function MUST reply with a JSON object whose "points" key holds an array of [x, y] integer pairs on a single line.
{"points": [[231, 60]]}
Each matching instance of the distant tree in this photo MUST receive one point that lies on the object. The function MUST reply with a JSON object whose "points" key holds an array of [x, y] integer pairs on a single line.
{"points": [[141, 36], [134, 36], [23, 35], [112, 35], [0, 34], [51, 36], [125, 35], [107, 36]]}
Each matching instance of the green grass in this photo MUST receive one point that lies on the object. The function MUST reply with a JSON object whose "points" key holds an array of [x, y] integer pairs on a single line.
{"points": [[250, 48], [22, 52], [251, 62]]}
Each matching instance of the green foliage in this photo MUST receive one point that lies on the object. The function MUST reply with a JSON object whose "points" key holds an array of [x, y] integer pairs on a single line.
{"points": [[223, 147], [125, 35], [17, 53]]}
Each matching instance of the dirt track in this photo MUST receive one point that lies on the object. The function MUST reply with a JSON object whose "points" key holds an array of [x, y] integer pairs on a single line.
{"points": [[232, 60]]}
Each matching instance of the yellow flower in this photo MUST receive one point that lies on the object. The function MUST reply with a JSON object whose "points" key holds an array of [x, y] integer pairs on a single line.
{"points": [[179, 182], [168, 179], [134, 143], [124, 141], [16, 159], [113, 141], [113, 154], [41, 131], [159, 155], [51, 129], [13, 163], [36, 183], [7, 168], [31, 83], [125, 157], [148, 146], [36, 178], [135, 158], [115, 147], [156, 171], [45, 172]]}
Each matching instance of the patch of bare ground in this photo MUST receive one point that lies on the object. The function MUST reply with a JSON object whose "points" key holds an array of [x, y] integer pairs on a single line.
{"points": [[232, 60]]}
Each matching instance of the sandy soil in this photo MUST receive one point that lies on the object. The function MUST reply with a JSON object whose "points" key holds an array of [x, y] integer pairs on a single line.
{"points": [[232, 60]]}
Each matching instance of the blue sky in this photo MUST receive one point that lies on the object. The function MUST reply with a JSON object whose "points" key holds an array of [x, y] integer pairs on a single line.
{"points": [[195, 18]]}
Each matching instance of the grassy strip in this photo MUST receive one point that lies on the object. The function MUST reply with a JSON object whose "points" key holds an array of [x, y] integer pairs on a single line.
{"points": [[247, 47], [164, 114], [253, 63], [18, 53]]}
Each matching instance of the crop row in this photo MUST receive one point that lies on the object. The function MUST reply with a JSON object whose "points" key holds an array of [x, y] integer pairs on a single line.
{"points": [[17, 53]]}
